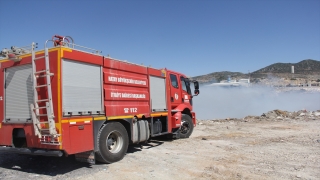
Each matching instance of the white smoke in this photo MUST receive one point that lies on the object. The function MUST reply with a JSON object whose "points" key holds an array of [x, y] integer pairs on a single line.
{"points": [[238, 102]]}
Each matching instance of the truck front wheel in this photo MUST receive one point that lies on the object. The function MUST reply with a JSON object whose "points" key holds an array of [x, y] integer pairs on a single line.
{"points": [[186, 126], [113, 142]]}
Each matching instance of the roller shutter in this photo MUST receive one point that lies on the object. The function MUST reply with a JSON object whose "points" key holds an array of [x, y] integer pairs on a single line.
{"points": [[158, 94], [18, 93], [81, 86]]}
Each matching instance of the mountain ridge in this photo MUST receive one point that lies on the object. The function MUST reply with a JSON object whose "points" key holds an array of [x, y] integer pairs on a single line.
{"points": [[304, 69], [304, 66]]}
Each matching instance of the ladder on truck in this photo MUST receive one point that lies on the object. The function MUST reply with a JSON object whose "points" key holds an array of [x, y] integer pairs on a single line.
{"points": [[44, 124]]}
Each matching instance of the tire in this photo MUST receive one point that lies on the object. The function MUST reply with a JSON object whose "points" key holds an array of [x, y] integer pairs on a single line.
{"points": [[113, 142], [186, 126]]}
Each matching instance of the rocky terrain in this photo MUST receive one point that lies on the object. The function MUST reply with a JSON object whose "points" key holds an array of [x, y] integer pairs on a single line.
{"points": [[276, 145]]}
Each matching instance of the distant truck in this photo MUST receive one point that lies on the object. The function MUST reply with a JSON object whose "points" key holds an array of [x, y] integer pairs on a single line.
{"points": [[70, 100]]}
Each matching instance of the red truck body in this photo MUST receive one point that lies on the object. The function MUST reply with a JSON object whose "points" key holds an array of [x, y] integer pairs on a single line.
{"points": [[91, 95]]}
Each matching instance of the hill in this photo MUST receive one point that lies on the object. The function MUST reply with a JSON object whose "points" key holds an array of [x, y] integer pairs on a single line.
{"points": [[218, 76], [308, 66], [303, 70]]}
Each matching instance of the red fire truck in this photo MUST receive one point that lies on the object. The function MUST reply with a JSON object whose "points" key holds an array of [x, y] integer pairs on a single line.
{"points": [[70, 100]]}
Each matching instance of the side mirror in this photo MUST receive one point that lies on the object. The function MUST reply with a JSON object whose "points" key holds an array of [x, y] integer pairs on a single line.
{"points": [[196, 88], [196, 91], [196, 85]]}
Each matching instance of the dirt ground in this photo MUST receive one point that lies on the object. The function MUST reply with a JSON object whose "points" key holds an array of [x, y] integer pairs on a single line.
{"points": [[251, 148]]}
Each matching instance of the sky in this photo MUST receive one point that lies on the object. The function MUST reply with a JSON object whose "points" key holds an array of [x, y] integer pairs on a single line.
{"points": [[194, 37]]}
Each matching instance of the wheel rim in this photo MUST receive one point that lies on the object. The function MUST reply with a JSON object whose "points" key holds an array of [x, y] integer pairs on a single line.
{"points": [[114, 142], [185, 127]]}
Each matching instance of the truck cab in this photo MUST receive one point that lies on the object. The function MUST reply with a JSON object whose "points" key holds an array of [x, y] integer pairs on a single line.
{"points": [[180, 91], [180, 98]]}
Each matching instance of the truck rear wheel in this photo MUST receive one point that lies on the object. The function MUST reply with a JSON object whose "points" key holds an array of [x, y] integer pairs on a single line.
{"points": [[113, 142], [186, 126]]}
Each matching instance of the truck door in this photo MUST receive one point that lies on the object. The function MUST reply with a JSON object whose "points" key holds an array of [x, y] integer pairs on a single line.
{"points": [[185, 90], [175, 91]]}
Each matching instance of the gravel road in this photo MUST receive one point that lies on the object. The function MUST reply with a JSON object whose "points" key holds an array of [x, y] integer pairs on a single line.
{"points": [[249, 148]]}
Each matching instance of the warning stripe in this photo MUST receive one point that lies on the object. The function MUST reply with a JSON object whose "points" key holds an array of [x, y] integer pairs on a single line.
{"points": [[109, 118], [159, 114], [73, 121]]}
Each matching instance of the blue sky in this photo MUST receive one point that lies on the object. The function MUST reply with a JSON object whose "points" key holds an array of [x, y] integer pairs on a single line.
{"points": [[193, 37]]}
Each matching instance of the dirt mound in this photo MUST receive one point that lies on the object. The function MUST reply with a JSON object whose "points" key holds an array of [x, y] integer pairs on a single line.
{"points": [[274, 115], [279, 114]]}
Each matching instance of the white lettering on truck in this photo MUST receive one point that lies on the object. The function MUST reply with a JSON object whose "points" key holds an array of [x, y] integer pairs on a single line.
{"points": [[127, 95], [116, 94], [132, 110], [127, 81], [112, 79]]}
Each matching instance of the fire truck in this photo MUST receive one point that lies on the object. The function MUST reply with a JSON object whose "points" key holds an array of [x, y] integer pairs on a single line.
{"points": [[68, 99]]}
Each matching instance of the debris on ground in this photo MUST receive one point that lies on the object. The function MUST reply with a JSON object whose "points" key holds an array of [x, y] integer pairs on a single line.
{"points": [[285, 115]]}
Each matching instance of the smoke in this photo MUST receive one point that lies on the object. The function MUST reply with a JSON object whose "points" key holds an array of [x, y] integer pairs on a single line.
{"points": [[238, 102]]}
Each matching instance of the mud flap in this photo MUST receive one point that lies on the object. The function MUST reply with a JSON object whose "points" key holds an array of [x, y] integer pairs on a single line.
{"points": [[176, 134], [87, 157]]}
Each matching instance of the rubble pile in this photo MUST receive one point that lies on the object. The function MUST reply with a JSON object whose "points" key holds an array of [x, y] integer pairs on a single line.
{"points": [[285, 115], [313, 89], [275, 115]]}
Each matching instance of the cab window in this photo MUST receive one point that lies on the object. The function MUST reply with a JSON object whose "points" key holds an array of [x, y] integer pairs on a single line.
{"points": [[183, 84], [174, 80]]}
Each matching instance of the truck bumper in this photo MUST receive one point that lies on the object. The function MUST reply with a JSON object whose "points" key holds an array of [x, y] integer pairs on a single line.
{"points": [[40, 152]]}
